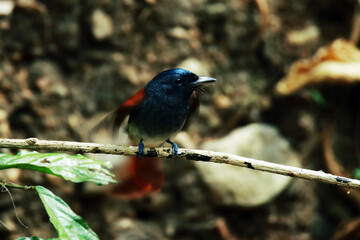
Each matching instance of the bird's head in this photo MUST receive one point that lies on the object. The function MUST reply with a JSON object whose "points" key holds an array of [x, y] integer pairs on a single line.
{"points": [[176, 82]]}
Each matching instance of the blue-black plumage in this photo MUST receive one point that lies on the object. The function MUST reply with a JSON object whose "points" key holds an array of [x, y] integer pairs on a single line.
{"points": [[160, 110]]}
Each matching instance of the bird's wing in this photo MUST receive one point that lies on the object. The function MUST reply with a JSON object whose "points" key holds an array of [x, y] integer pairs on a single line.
{"points": [[113, 120], [194, 104], [126, 108], [139, 177]]}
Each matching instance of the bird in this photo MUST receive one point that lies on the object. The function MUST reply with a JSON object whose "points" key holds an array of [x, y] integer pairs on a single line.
{"points": [[157, 112]]}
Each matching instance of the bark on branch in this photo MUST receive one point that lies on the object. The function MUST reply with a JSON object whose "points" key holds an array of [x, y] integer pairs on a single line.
{"points": [[186, 154]]}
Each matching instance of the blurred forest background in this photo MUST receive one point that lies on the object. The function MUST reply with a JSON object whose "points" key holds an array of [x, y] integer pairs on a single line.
{"points": [[287, 91]]}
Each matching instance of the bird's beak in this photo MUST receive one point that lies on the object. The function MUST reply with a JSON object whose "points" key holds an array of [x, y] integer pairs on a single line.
{"points": [[204, 80]]}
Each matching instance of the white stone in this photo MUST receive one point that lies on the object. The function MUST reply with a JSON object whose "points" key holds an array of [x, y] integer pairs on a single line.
{"points": [[102, 24], [233, 185]]}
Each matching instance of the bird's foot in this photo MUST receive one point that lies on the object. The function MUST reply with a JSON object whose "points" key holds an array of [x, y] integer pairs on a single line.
{"points": [[141, 149], [175, 148]]}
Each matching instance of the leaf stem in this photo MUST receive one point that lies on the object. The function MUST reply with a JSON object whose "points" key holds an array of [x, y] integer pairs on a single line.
{"points": [[13, 185]]}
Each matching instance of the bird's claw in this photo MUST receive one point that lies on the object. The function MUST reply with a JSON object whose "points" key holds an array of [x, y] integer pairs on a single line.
{"points": [[141, 149], [175, 148]]}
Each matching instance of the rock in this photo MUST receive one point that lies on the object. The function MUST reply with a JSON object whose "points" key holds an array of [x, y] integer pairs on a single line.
{"points": [[222, 101], [126, 229], [183, 139], [6, 7], [304, 36], [102, 24], [4, 124], [178, 33], [28, 4], [46, 77], [10, 175], [3, 115], [195, 65], [233, 185], [217, 9], [209, 118], [151, 2], [130, 73]]}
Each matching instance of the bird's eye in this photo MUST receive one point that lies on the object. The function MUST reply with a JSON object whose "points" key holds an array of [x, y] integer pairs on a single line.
{"points": [[177, 81]]}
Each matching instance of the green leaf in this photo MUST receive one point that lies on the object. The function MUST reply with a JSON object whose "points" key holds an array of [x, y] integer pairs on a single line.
{"points": [[318, 97], [66, 222], [36, 238], [357, 173], [75, 168]]}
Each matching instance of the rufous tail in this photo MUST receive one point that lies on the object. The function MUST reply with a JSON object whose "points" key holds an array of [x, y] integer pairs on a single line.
{"points": [[139, 178]]}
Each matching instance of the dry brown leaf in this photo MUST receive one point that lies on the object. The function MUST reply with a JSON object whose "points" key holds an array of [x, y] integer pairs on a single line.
{"points": [[334, 165], [348, 231], [338, 62]]}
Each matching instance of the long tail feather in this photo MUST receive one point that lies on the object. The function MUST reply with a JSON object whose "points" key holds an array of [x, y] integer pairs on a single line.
{"points": [[140, 178]]}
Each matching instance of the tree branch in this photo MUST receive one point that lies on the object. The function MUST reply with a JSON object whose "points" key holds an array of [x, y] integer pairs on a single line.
{"points": [[186, 154]]}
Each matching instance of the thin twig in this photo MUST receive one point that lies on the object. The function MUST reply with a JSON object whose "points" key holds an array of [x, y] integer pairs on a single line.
{"points": [[186, 154], [13, 185], [4, 188]]}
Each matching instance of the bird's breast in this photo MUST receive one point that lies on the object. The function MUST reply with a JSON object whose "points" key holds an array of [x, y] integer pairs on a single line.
{"points": [[155, 122]]}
